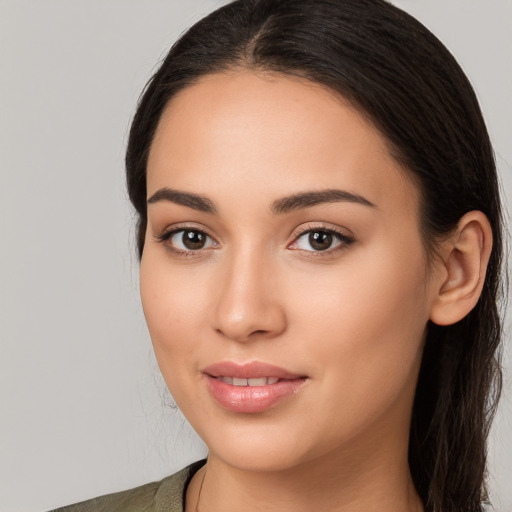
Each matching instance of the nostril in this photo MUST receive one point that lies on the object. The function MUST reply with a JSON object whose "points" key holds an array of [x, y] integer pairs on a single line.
{"points": [[256, 332]]}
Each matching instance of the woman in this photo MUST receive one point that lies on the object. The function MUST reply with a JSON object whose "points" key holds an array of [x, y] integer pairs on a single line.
{"points": [[320, 242]]}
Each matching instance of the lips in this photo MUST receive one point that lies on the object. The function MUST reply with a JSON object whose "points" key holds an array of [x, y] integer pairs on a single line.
{"points": [[252, 370], [251, 388]]}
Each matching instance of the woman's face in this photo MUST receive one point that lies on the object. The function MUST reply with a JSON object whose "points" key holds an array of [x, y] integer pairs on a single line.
{"points": [[283, 278]]}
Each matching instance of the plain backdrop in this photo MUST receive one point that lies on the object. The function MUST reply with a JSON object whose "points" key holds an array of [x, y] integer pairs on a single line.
{"points": [[83, 410]]}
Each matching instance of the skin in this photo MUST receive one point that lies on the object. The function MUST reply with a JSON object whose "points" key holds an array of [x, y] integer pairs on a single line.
{"points": [[352, 318]]}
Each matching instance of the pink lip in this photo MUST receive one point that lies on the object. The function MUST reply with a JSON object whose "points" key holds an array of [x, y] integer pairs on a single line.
{"points": [[251, 399], [252, 370]]}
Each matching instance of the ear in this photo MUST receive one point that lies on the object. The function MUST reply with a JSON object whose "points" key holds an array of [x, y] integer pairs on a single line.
{"points": [[464, 256]]}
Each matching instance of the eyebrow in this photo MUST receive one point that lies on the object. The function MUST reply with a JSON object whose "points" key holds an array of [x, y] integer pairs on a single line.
{"points": [[283, 205], [308, 199], [194, 201]]}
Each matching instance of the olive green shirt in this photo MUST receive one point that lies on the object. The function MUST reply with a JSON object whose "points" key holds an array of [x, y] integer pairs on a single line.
{"points": [[167, 495]]}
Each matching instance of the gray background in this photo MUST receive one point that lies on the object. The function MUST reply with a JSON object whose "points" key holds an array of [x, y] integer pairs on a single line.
{"points": [[83, 409]]}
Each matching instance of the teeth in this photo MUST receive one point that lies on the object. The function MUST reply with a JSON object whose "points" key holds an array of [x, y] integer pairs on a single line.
{"points": [[261, 381], [257, 382]]}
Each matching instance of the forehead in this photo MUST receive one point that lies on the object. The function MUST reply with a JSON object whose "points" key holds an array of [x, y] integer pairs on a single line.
{"points": [[267, 133]]}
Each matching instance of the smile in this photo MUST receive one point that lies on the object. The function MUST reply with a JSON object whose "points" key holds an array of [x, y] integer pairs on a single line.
{"points": [[251, 388]]}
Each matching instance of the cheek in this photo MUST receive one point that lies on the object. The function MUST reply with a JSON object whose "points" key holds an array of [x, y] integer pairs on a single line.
{"points": [[382, 290], [174, 308], [366, 326]]}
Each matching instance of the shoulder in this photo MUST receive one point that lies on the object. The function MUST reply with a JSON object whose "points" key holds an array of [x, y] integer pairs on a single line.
{"points": [[165, 495]]}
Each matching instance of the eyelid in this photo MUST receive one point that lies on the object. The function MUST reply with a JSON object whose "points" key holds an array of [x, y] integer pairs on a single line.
{"points": [[321, 226], [345, 238], [168, 232]]}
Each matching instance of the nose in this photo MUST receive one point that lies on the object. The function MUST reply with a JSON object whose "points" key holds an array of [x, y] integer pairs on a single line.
{"points": [[248, 305]]}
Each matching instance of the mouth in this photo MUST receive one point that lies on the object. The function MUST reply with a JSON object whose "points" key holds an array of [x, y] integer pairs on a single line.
{"points": [[251, 388]]}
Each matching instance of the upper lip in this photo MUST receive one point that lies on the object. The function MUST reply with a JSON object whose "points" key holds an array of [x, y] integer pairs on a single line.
{"points": [[251, 370]]}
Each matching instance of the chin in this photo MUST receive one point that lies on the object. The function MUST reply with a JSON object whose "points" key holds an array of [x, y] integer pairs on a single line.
{"points": [[271, 459], [264, 446]]}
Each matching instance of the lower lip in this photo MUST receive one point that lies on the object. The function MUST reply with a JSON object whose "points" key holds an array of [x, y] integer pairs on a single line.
{"points": [[252, 399]]}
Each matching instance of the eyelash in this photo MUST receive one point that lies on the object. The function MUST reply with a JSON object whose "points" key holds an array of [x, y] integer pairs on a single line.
{"points": [[343, 239], [166, 236]]}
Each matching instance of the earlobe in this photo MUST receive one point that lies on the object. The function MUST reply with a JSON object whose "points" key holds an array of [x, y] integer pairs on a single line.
{"points": [[465, 257]]}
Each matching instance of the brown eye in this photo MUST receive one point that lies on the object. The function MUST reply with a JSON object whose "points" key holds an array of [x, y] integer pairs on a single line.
{"points": [[320, 240], [193, 240], [187, 240]]}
